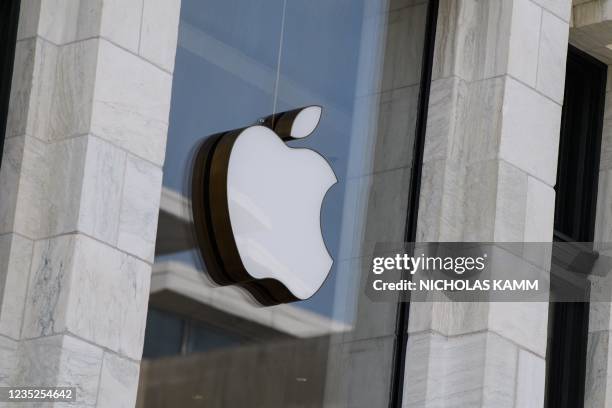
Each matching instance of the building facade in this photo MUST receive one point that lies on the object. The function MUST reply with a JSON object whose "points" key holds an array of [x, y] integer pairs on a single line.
{"points": [[443, 120]]}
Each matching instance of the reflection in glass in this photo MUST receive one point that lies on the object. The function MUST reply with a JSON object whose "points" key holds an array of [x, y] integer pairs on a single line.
{"points": [[241, 60], [164, 334]]}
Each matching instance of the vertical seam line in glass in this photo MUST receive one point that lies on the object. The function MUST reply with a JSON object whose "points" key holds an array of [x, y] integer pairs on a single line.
{"points": [[403, 308]]}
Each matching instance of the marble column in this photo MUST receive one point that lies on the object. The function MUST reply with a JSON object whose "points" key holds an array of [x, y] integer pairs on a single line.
{"points": [[488, 175], [81, 181]]}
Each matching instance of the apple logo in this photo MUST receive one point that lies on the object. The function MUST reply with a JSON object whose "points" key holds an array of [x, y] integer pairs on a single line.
{"points": [[257, 208]]}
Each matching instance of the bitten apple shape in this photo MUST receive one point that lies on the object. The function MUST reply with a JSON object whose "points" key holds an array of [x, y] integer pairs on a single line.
{"points": [[257, 208]]}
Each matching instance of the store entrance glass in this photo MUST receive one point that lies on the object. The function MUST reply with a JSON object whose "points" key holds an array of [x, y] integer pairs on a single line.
{"points": [[237, 62]]}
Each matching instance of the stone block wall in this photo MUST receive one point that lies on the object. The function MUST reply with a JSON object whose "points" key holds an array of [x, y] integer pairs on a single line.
{"points": [[488, 175], [81, 182]]}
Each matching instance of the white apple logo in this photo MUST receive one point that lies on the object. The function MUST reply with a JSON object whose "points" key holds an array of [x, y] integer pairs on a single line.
{"points": [[264, 208]]}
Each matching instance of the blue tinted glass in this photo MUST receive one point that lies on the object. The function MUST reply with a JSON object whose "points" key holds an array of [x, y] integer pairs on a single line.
{"points": [[318, 65], [225, 73], [251, 59], [239, 61], [164, 334]]}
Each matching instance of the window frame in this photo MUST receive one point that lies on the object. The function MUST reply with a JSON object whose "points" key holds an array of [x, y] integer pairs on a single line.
{"points": [[9, 21], [400, 346], [568, 322]]}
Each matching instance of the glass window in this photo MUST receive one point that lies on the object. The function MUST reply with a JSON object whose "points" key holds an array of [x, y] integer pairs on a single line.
{"points": [[237, 62], [164, 334], [204, 337]]}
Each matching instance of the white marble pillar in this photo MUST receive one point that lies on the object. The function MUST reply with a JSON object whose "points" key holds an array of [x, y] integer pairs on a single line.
{"points": [[81, 181], [488, 175]]}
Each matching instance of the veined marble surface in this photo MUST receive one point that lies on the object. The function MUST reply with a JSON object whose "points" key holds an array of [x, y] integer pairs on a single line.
{"points": [[87, 288], [61, 360]]}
